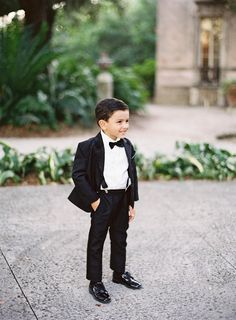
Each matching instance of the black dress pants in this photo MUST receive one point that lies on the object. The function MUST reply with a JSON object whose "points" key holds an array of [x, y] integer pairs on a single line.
{"points": [[112, 215]]}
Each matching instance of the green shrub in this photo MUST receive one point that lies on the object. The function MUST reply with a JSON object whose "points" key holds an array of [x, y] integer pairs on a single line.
{"points": [[129, 87], [34, 109], [227, 84], [193, 161], [145, 167], [23, 58], [10, 164], [73, 90], [127, 35], [40, 86], [46, 165], [197, 161], [49, 165], [146, 72]]}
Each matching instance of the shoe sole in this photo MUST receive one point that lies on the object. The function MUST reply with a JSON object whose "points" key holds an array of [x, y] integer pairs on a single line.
{"points": [[105, 302]]}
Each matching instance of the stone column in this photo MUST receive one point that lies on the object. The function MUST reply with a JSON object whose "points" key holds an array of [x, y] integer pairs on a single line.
{"points": [[176, 60], [104, 79]]}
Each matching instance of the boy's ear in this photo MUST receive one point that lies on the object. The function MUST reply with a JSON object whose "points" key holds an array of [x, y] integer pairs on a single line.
{"points": [[102, 123]]}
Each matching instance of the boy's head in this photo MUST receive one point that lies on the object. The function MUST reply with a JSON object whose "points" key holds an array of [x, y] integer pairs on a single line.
{"points": [[112, 116]]}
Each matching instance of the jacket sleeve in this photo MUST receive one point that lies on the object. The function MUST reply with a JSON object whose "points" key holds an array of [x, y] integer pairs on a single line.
{"points": [[136, 196], [79, 173]]}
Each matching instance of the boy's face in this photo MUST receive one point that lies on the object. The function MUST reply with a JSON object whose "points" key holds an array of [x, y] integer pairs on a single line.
{"points": [[117, 125]]}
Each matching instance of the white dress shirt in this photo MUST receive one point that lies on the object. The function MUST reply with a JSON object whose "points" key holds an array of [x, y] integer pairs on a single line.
{"points": [[115, 165]]}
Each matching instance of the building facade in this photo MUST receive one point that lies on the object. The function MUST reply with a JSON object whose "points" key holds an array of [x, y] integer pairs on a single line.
{"points": [[196, 51]]}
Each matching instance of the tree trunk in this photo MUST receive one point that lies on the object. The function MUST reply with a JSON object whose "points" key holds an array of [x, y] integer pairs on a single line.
{"points": [[37, 12]]}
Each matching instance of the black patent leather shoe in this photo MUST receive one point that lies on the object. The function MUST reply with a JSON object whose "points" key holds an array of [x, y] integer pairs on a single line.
{"points": [[127, 280], [99, 292]]}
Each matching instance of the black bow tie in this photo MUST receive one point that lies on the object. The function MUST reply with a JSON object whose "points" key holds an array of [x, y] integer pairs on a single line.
{"points": [[119, 143]]}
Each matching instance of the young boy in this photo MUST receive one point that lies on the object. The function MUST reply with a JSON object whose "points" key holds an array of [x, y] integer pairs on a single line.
{"points": [[105, 178]]}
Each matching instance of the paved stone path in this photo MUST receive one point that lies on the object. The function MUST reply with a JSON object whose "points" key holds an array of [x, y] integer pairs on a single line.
{"points": [[181, 246]]}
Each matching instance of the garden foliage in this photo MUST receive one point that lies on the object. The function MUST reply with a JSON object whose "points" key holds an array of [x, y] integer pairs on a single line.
{"points": [[128, 36], [43, 166], [192, 161], [44, 84], [23, 59]]}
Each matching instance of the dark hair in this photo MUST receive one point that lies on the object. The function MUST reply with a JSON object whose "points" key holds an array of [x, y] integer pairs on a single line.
{"points": [[106, 107]]}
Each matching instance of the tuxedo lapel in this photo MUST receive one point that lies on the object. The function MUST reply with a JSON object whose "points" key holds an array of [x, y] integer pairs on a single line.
{"points": [[128, 152], [99, 152]]}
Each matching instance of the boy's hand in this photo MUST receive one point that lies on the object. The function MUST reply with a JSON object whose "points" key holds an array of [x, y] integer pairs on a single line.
{"points": [[95, 204], [131, 213]]}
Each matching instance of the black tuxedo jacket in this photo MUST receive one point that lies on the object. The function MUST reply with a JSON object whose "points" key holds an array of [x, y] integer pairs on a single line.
{"points": [[87, 172]]}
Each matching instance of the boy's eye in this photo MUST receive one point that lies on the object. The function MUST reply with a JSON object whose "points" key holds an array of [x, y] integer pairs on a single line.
{"points": [[120, 121]]}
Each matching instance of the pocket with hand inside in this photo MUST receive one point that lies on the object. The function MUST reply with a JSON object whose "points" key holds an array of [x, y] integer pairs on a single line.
{"points": [[99, 202]]}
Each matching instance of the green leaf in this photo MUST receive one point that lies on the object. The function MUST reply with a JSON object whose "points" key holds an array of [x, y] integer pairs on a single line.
{"points": [[7, 175], [196, 163], [42, 178]]}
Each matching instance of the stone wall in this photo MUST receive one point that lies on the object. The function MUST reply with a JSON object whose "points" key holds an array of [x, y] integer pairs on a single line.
{"points": [[177, 74]]}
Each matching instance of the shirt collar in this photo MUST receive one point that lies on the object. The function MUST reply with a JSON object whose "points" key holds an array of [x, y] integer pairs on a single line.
{"points": [[107, 139]]}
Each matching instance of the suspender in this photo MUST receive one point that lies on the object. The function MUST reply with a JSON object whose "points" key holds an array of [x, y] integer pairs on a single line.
{"points": [[105, 186]]}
